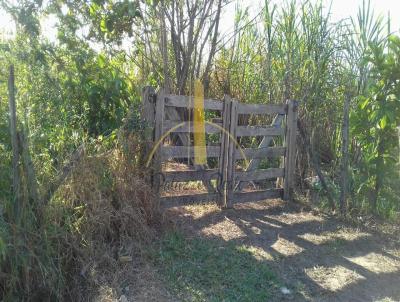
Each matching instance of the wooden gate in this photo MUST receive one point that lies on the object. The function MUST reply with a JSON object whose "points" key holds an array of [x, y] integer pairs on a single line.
{"points": [[229, 126]]}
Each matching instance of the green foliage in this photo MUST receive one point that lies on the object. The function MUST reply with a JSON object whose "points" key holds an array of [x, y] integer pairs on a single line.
{"points": [[106, 21], [375, 120], [113, 19], [203, 270], [67, 95]]}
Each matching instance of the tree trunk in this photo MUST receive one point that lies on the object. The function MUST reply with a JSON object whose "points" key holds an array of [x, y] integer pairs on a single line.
{"points": [[345, 155], [379, 173], [164, 49], [31, 179]]}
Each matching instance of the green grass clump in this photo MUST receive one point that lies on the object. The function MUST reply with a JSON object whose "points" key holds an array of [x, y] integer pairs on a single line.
{"points": [[204, 270]]}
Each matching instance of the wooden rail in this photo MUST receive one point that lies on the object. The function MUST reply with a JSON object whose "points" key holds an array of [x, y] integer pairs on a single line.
{"points": [[257, 195], [259, 131], [184, 127], [259, 153], [185, 152], [261, 109], [190, 175], [184, 101], [260, 174]]}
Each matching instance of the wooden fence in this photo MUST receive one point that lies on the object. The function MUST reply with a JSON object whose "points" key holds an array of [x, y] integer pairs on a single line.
{"points": [[229, 124]]}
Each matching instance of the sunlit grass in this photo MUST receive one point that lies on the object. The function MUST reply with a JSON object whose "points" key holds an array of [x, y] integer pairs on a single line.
{"points": [[204, 270]]}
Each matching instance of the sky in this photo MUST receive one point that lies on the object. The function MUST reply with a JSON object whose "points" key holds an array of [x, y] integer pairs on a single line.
{"points": [[344, 8], [340, 9]]}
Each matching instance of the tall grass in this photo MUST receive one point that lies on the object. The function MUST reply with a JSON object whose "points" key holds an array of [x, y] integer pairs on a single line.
{"points": [[290, 52], [103, 212], [295, 51]]}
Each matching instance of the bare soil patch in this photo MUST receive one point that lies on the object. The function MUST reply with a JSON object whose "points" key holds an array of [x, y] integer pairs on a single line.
{"points": [[316, 257]]}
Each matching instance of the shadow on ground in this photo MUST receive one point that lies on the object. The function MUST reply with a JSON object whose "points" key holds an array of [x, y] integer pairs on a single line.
{"points": [[317, 258]]}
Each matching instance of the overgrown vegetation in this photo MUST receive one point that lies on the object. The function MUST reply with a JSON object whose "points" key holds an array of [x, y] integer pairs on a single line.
{"points": [[87, 193], [91, 232], [295, 52]]}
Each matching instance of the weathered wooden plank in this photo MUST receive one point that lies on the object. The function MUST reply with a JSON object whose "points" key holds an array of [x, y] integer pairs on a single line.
{"points": [[190, 175], [259, 131], [257, 195], [231, 153], [189, 199], [216, 120], [261, 108], [148, 111], [223, 159], [148, 118], [259, 174], [159, 116], [259, 153], [188, 127], [290, 143], [185, 151], [185, 101], [158, 132]]}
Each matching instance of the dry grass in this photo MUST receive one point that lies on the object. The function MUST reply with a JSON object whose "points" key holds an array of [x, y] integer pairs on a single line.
{"points": [[333, 278], [112, 214]]}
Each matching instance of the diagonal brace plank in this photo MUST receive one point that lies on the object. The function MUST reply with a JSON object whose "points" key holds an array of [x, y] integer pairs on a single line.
{"points": [[266, 141]]}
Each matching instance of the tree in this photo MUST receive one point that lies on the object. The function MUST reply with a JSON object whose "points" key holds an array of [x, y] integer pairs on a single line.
{"points": [[184, 36]]}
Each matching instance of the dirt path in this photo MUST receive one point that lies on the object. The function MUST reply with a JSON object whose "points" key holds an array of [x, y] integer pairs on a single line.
{"points": [[316, 258]]}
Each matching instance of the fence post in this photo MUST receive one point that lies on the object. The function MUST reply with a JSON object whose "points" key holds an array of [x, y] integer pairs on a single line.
{"points": [[158, 132], [223, 158], [148, 119], [148, 114], [231, 153], [148, 108], [290, 144]]}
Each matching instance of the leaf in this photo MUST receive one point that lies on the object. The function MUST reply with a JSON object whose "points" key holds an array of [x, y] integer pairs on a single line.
{"points": [[93, 9], [103, 25], [102, 61], [365, 103], [383, 122]]}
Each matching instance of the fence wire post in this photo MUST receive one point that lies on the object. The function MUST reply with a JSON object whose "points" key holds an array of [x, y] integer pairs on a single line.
{"points": [[290, 144], [231, 154], [158, 133], [148, 119], [223, 158]]}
